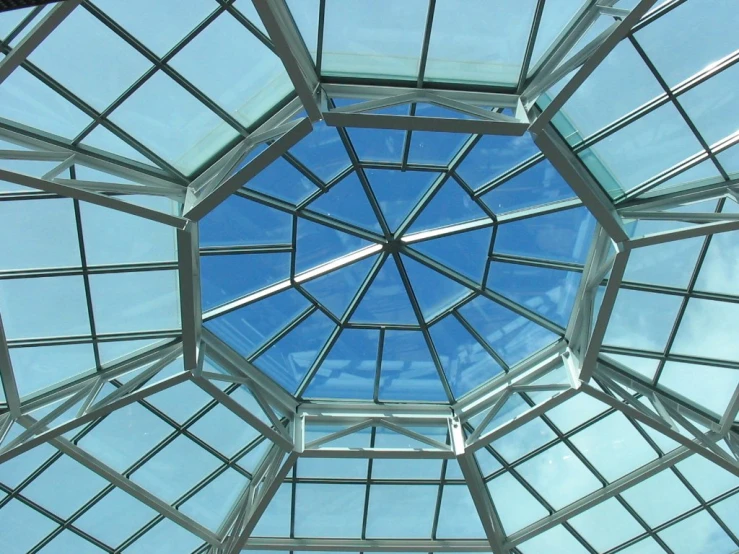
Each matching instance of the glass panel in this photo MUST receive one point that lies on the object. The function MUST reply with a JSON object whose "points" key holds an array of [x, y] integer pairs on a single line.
{"points": [[433, 291], [224, 431], [208, 61], [21, 527], [114, 237], [404, 468], [349, 368], [64, 487], [710, 387], [172, 123], [44, 307], [38, 367], [706, 477], [67, 541], [241, 222], [512, 336], [381, 38], [247, 328], [728, 511], [548, 292], [559, 476], [401, 511], [211, 503], [698, 533], [348, 202], [289, 360], [318, 244], [167, 477], [40, 220], [706, 330], [275, 522], [641, 320], [158, 25], [516, 506], [563, 236], [166, 537], [432, 147], [90, 48], [305, 15], [328, 510], [398, 192], [26, 100], [386, 300], [466, 364], [323, 152], [408, 371], [128, 513], [614, 446], [719, 266], [336, 289], [540, 184], [463, 253], [557, 540], [660, 498], [450, 205], [493, 155], [678, 43], [335, 468], [557, 15], [138, 301], [457, 514], [606, 525], [489, 52]]}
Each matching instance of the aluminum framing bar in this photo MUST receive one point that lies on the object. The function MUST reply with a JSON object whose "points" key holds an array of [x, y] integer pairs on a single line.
{"points": [[35, 37], [291, 49], [203, 205], [595, 59], [685, 233], [8, 376], [128, 486], [581, 182], [367, 545], [191, 306], [93, 198]]}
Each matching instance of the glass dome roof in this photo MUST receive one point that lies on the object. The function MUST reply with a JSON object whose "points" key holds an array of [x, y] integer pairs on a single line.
{"points": [[369, 276]]}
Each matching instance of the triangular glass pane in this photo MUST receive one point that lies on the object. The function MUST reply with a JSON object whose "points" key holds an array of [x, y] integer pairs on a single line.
{"points": [[247, 328], [282, 180], [466, 364], [349, 368], [548, 292], [562, 236], [465, 253], [434, 291], [512, 336], [433, 147], [241, 222], [105, 140], [323, 152], [225, 278], [336, 290], [408, 372], [494, 155], [288, 360], [450, 205], [318, 244], [398, 192], [348, 202], [538, 185], [386, 301]]}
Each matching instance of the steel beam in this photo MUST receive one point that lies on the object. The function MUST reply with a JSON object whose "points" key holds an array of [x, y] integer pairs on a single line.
{"points": [[128, 486], [35, 37], [8, 376], [211, 197], [291, 49], [604, 48], [367, 545], [92, 197], [582, 183], [191, 314]]}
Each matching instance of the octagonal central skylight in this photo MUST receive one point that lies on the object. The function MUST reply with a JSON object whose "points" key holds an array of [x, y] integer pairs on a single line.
{"points": [[388, 265]]}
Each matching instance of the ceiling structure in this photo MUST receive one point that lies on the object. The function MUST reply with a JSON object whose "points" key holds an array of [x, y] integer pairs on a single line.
{"points": [[328, 275]]}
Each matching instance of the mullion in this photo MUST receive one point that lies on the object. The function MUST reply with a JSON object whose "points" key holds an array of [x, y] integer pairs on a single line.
{"points": [[22, 25], [666, 88], [378, 365], [365, 511], [529, 52], [319, 37], [92, 113]]}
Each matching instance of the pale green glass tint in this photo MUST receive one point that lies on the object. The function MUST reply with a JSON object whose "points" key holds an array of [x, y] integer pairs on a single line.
{"points": [[38, 234], [137, 301], [208, 61], [174, 124], [491, 47], [381, 38], [44, 307], [158, 25], [97, 65]]}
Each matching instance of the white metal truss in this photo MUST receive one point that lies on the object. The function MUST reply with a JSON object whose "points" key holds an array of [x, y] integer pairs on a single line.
{"points": [[287, 417]]}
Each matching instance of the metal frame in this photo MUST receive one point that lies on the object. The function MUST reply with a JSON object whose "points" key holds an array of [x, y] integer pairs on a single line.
{"points": [[284, 417]]}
